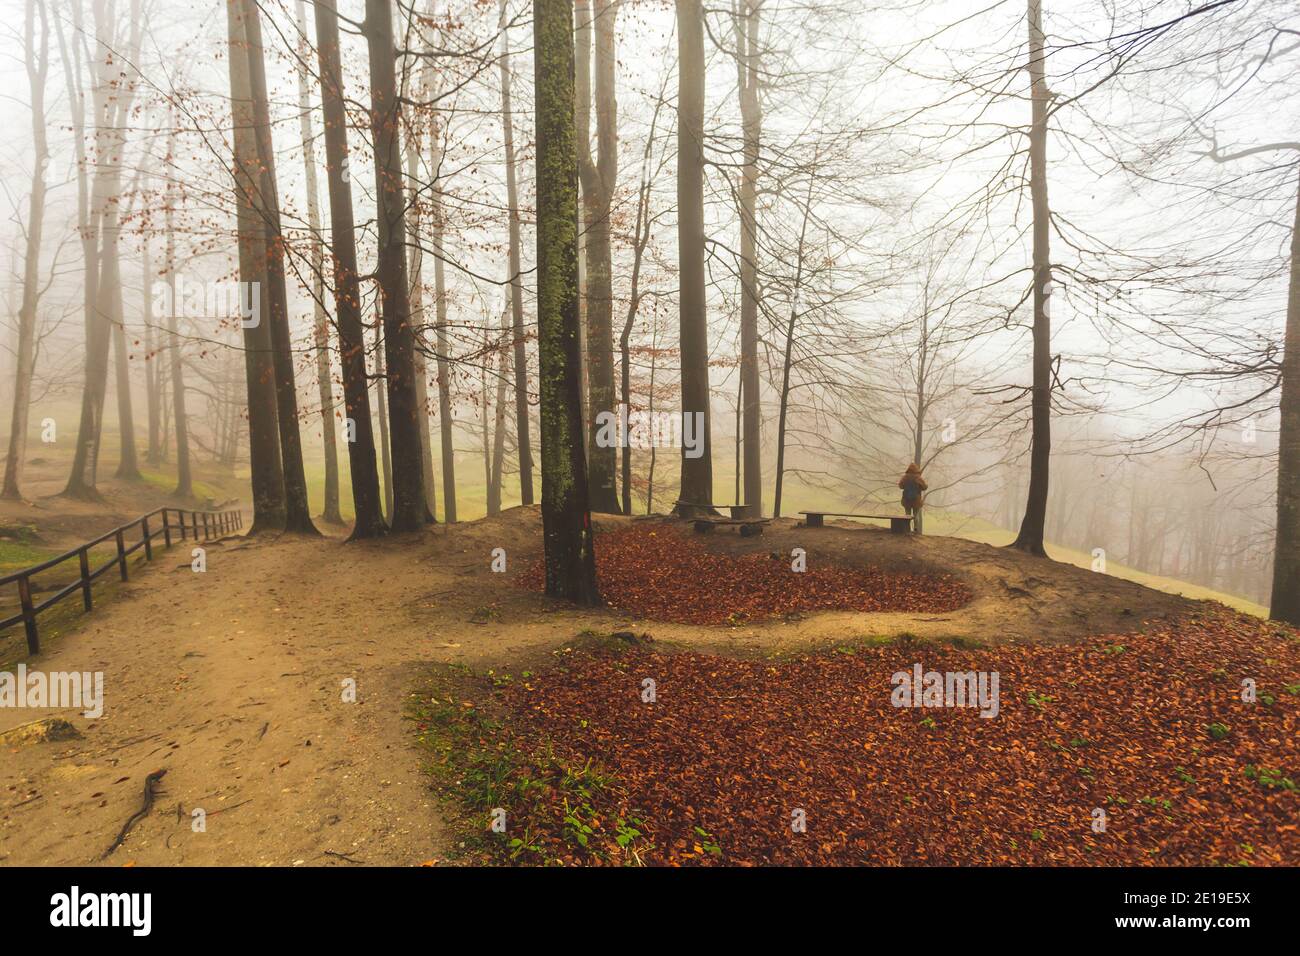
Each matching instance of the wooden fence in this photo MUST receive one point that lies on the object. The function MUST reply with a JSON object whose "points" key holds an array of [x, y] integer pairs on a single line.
{"points": [[173, 521]]}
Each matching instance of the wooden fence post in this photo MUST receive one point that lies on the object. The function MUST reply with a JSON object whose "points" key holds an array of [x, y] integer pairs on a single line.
{"points": [[148, 538], [29, 615], [207, 532], [86, 599], [121, 553], [167, 530]]}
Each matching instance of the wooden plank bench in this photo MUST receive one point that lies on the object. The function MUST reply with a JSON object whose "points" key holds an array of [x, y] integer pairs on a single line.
{"points": [[899, 524], [748, 526]]}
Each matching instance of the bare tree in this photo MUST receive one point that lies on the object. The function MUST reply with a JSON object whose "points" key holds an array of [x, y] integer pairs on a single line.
{"points": [[112, 93], [598, 179], [267, 203], [267, 474], [347, 291], [37, 62], [516, 270], [320, 319], [409, 512]]}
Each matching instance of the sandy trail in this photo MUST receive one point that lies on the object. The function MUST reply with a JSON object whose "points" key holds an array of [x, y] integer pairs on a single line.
{"points": [[232, 681]]}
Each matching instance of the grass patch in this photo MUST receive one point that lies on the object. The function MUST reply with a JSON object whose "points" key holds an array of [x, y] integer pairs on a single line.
{"points": [[16, 555], [511, 799]]}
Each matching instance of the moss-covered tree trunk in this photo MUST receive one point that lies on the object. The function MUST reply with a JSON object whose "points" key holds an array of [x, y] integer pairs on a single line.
{"points": [[566, 519]]}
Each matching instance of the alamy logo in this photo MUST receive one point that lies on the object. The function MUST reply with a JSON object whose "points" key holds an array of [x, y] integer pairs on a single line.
{"points": [[72, 689], [627, 429], [103, 909], [197, 299], [947, 689]]}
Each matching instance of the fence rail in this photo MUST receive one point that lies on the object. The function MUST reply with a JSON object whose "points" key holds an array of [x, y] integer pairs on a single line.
{"points": [[173, 521]]}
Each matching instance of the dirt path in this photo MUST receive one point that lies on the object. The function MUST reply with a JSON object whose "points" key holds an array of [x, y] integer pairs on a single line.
{"points": [[232, 680]]}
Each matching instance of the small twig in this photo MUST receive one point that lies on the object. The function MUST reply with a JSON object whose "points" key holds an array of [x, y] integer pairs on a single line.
{"points": [[344, 856], [150, 791], [213, 813]]}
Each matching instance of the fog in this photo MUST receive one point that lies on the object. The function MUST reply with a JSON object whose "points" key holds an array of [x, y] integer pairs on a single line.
{"points": [[893, 263]]}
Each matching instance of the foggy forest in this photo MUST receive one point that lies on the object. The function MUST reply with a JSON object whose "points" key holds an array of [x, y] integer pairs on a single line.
{"points": [[650, 432]]}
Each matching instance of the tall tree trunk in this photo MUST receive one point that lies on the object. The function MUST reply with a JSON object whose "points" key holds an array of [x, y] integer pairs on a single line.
{"points": [[787, 364], [516, 277], [598, 178], [747, 72], [266, 471], [166, 411], [297, 516], [446, 424], [409, 509], [153, 362], [320, 319], [184, 480], [650, 409], [922, 400], [499, 433], [697, 472], [1032, 526], [634, 300], [347, 289], [640, 239], [112, 98], [385, 453], [1284, 604], [128, 464], [38, 67], [782, 413], [486, 408], [415, 269], [566, 520]]}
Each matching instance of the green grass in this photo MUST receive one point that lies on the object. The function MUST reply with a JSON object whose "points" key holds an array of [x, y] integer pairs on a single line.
{"points": [[165, 482], [16, 555]]}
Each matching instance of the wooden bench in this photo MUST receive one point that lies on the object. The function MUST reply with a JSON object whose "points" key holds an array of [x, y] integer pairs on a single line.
{"points": [[899, 524], [748, 526]]}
